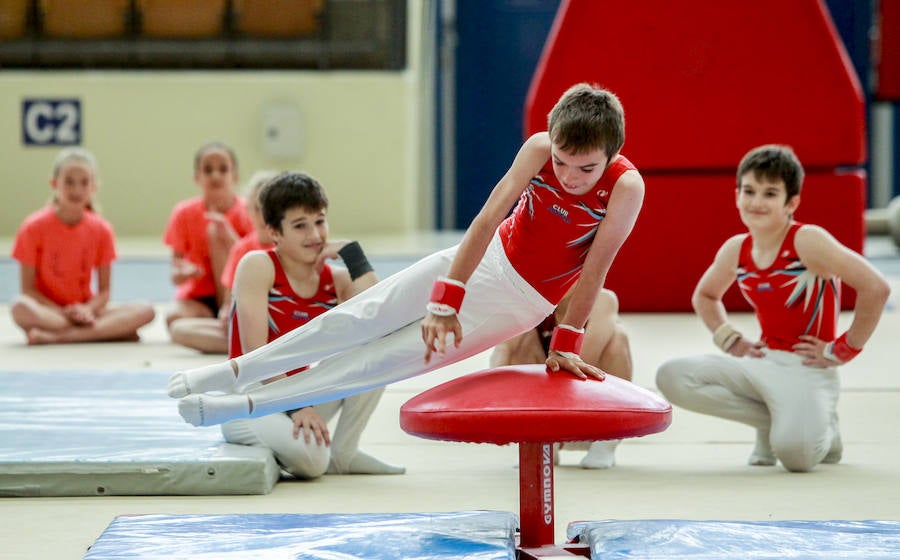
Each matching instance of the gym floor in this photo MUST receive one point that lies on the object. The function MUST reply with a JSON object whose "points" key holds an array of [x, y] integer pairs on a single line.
{"points": [[694, 470]]}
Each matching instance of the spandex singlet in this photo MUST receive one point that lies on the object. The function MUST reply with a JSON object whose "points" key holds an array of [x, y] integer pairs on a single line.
{"points": [[550, 231], [788, 299], [287, 310]]}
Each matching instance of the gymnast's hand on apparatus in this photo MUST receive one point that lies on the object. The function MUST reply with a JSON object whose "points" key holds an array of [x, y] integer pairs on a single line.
{"points": [[576, 366], [434, 333]]}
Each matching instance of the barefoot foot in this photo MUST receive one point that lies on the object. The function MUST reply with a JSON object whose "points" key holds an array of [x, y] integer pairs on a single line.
{"points": [[40, 336]]}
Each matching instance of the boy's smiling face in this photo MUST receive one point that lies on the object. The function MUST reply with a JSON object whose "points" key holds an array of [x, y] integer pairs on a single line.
{"points": [[303, 234], [763, 202]]}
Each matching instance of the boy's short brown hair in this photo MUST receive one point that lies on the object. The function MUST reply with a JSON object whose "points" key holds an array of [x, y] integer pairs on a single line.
{"points": [[587, 118], [773, 162], [289, 190]]}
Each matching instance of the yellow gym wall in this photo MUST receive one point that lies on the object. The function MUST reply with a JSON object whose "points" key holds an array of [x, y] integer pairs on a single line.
{"points": [[365, 135]]}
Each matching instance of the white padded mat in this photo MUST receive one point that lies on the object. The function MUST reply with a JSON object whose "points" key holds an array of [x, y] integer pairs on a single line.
{"points": [[114, 433]]}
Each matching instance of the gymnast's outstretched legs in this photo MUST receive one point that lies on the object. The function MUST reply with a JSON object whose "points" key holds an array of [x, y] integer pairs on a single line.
{"points": [[497, 309], [386, 307]]}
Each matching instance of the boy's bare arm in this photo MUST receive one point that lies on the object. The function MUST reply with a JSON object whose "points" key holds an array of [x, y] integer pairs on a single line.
{"points": [[721, 274], [624, 206], [707, 301], [826, 257], [252, 280], [528, 162]]}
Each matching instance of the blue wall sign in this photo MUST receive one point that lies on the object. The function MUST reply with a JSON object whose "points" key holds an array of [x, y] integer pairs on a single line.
{"points": [[51, 122]]}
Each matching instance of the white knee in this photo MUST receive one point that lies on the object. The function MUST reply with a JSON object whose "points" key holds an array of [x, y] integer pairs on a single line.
{"points": [[670, 379], [276, 433], [304, 461], [797, 455]]}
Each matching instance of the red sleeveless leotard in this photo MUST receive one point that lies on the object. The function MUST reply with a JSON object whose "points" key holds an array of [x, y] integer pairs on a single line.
{"points": [[788, 299], [287, 310], [550, 231]]}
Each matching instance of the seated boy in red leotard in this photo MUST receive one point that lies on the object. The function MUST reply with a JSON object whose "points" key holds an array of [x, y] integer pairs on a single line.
{"points": [[280, 289]]}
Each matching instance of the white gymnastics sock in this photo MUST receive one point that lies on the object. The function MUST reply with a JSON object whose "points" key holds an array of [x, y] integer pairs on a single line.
{"points": [[209, 410], [568, 446], [215, 377], [363, 463], [601, 455], [762, 455]]}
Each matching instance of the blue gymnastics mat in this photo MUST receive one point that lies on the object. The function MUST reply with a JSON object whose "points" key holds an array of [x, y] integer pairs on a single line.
{"points": [[739, 540], [114, 433], [467, 535]]}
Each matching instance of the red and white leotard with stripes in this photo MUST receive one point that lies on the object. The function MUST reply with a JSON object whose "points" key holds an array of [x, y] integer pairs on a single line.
{"points": [[287, 310], [788, 299], [558, 227]]}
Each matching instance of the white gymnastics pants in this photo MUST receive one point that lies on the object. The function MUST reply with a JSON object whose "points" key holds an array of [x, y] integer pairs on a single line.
{"points": [[296, 456], [797, 404], [374, 338]]}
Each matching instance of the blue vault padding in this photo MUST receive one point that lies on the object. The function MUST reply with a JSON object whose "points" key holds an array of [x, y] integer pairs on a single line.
{"points": [[467, 535], [744, 540]]}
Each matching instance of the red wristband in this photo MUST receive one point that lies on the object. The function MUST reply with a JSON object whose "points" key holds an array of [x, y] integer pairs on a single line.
{"points": [[566, 340], [446, 297], [840, 350]]}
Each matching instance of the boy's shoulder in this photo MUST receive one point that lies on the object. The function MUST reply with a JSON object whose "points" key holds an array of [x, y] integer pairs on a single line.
{"points": [[259, 257], [732, 247], [624, 162], [539, 141], [542, 137]]}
